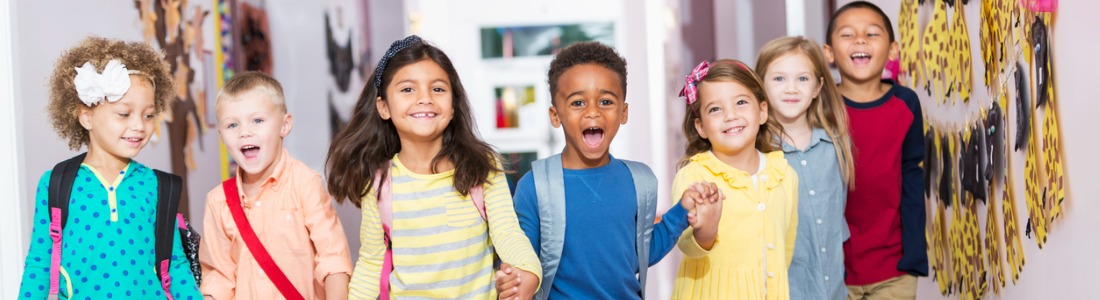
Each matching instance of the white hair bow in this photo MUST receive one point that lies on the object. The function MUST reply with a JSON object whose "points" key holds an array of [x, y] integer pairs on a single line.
{"points": [[92, 86]]}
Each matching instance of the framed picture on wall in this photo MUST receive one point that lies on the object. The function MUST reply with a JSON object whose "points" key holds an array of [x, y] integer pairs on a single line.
{"points": [[540, 40], [515, 165]]}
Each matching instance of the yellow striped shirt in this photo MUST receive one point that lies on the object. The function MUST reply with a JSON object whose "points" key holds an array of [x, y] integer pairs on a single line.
{"points": [[441, 246]]}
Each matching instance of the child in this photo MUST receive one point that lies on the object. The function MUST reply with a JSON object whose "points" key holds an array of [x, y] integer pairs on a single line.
{"points": [[105, 94], [817, 145], [593, 190], [885, 211], [731, 140], [283, 203], [410, 153]]}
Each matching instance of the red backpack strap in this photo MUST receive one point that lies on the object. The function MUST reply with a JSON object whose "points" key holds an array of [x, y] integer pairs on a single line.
{"points": [[233, 199]]}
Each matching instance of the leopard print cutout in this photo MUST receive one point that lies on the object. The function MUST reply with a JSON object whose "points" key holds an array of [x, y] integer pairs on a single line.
{"points": [[909, 42], [1014, 248], [964, 69], [934, 51], [993, 243]]}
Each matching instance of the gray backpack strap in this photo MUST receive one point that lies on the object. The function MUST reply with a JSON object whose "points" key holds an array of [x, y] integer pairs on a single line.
{"points": [[645, 187], [550, 188]]}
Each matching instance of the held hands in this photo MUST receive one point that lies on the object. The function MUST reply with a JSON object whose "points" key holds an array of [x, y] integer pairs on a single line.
{"points": [[703, 201], [514, 283]]}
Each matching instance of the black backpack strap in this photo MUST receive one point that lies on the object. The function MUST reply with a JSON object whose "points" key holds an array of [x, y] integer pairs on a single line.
{"points": [[169, 187], [61, 184]]}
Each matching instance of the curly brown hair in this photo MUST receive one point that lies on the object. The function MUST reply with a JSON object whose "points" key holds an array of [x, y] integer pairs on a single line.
{"points": [[65, 105], [585, 53], [728, 70]]}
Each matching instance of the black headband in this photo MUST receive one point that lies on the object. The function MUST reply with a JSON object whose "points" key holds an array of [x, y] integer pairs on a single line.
{"points": [[397, 46]]}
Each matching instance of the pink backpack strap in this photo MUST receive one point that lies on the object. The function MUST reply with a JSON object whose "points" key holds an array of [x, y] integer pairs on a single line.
{"points": [[477, 194], [384, 188], [55, 256]]}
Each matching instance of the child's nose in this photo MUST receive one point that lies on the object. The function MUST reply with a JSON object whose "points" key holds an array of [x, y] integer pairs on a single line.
{"points": [[424, 97]]}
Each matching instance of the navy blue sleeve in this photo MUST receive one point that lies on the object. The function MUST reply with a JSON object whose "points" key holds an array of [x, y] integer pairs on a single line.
{"points": [[666, 233], [914, 257], [527, 209]]}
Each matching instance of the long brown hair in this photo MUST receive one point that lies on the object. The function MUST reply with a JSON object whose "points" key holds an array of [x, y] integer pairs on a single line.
{"points": [[367, 144], [827, 110], [727, 70]]}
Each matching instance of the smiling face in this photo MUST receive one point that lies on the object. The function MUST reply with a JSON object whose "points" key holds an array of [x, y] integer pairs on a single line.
{"points": [[121, 128], [419, 102], [860, 45], [792, 85], [252, 127], [589, 107], [730, 117]]}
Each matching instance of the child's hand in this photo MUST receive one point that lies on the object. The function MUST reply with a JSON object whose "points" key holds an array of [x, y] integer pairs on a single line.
{"points": [[705, 222], [697, 194], [507, 282], [528, 285]]}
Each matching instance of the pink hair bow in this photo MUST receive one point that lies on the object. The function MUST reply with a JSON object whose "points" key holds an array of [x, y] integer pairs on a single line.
{"points": [[690, 91]]}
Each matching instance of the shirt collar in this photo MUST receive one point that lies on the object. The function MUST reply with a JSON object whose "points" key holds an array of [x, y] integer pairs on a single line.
{"points": [[816, 135]]}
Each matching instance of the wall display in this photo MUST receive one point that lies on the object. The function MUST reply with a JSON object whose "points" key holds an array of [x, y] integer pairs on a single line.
{"points": [[175, 27], [543, 40], [969, 151], [509, 100], [345, 54]]}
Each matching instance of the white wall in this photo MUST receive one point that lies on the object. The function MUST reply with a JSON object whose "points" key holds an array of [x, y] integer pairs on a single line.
{"points": [[12, 227], [1065, 267]]}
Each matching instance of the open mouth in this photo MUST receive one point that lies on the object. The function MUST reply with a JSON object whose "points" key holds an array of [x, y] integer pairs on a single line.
{"points": [[423, 115], [250, 151], [133, 140], [734, 130], [861, 58], [593, 136]]}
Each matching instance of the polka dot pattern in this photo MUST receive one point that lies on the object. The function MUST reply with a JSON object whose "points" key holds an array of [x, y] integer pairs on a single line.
{"points": [[104, 259]]}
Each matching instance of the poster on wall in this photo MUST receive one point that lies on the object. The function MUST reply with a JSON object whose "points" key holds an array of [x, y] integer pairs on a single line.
{"points": [[346, 33], [541, 40]]}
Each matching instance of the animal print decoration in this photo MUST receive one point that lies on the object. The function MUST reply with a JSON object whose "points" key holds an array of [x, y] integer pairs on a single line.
{"points": [[970, 159]]}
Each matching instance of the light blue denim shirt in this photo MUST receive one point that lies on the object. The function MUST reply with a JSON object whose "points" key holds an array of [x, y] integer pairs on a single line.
{"points": [[817, 270]]}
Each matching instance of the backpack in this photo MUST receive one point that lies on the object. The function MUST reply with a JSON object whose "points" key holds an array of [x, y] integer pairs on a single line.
{"points": [[384, 188], [550, 190], [169, 188]]}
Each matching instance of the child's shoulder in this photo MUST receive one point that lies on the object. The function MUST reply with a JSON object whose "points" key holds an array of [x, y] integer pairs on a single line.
{"points": [[905, 93]]}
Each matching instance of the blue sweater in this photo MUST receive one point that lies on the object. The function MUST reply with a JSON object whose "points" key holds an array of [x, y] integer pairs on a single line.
{"points": [[598, 260]]}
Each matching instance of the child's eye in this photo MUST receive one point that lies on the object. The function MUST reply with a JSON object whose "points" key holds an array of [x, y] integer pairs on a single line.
{"points": [[714, 109], [406, 90], [124, 115], [257, 121], [606, 102], [231, 126], [778, 78], [577, 103], [439, 90], [149, 116], [803, 79], [742, 102]]}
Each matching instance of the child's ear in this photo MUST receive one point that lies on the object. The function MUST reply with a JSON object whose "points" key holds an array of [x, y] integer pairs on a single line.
{"points": [[699, 127], [894, 52], [828, 51], [383, 108], [763, 112], [626, 113], [554, 116], [85, 117], [820, 84], [288, 123]]}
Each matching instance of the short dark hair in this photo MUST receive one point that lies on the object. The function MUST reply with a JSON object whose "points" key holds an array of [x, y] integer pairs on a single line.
{"points": [[854, 5], [585, 53]]}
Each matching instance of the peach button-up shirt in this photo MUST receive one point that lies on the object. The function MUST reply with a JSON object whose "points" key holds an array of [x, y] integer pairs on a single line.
{"points": [[294, 218]]}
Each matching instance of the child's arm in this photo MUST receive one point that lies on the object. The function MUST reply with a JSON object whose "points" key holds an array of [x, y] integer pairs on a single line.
{"points": [[219, 268], [687, 243], [36, 270], [527, 212], [678, 218], [792, 206], [914, 256], [707, 214], [183, 280], [332, 265], [507, 237], [368, 268]]}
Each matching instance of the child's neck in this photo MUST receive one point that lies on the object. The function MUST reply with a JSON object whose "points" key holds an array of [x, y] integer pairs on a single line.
{"points": [[417, 157], [574, 161], [106, 164], [797, 132], [863, 92], [251, 182], [747, 160]]}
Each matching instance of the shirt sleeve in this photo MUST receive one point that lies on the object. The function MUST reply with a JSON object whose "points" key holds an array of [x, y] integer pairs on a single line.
{"points": [[368, 268], [792, 206], [219, 267], [183, 280], [914, 257], [527, 210], [511, 244], [325, 231], [667, 232], [36, 270], [687, 243]]}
